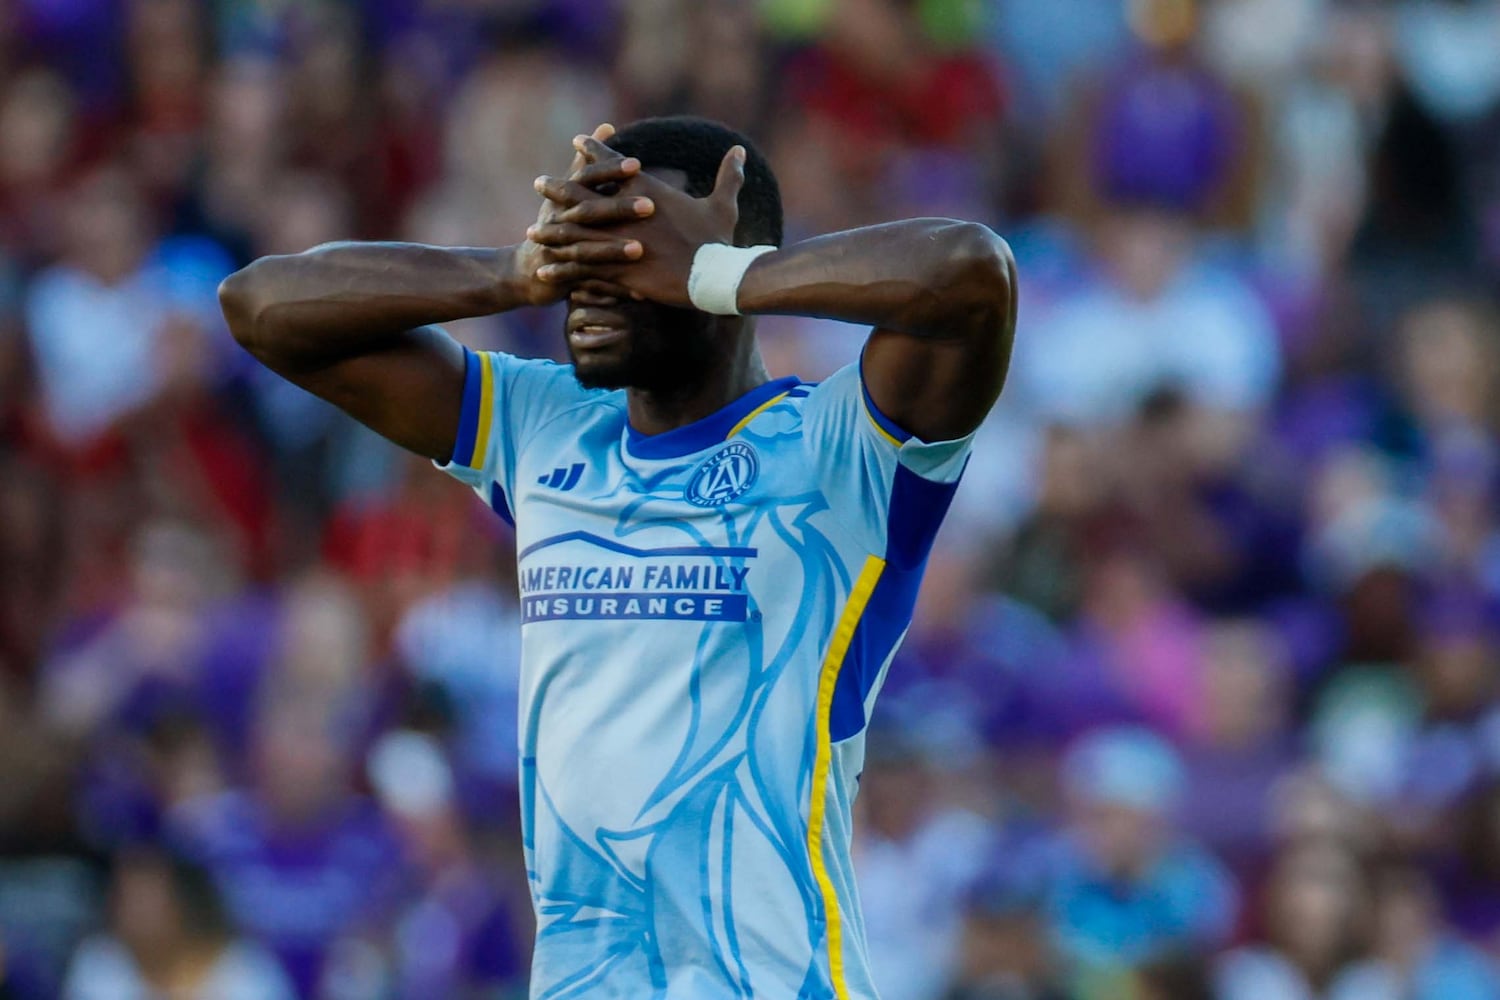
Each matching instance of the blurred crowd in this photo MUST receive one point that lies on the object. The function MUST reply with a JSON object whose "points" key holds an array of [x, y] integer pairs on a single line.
{"points": [[1201, 698]]}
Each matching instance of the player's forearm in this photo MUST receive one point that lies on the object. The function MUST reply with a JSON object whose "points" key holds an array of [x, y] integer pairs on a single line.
{"points": [[934, 278], [346, 299]]}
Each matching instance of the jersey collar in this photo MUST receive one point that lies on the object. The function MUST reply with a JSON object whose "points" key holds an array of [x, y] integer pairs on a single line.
{"points": [[709, 431]]}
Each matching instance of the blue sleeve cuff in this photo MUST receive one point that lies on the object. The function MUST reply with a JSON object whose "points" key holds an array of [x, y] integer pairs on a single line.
{"points": [[474, 418]]}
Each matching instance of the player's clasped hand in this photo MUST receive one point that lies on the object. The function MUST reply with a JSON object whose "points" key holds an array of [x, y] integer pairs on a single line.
{"points": [[591, 188], [648, 251]]}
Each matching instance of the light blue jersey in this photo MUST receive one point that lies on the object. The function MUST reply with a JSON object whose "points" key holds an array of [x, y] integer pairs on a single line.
{"points": [[708, 614]]}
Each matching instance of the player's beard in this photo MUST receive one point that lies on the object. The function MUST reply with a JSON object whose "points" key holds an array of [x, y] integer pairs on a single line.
{"points": [[665, 350]]}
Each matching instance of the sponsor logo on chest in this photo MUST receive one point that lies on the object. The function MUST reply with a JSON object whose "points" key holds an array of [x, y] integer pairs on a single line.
{"points": [[581, 576]]}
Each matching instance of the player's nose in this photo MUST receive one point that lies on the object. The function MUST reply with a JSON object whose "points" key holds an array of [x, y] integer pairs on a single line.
{"points": [[597, 294]]}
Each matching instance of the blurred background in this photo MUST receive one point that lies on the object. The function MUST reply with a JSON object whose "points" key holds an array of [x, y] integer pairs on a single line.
{"points": [[1201, 696]]}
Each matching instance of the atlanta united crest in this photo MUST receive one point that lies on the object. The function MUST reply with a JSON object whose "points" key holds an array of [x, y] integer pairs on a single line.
{"points": [[724, 476]]}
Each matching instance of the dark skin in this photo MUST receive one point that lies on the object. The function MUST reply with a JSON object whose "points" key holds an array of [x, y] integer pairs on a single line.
{"points": [[356, 323]]}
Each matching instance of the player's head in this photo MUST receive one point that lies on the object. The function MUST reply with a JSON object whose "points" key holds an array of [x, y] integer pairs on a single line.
{"points": [[693, 148], [667, 347]]}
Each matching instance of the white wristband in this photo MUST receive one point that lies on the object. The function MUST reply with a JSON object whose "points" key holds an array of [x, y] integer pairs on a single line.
{"points": [[718, 269]]}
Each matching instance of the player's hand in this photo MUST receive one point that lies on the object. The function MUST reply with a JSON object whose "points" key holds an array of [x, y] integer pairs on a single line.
{"points": [[586, 242], [583, 185]]}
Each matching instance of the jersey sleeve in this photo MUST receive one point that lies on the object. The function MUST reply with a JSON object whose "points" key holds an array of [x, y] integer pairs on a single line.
{"points": [[506, 399], [867, 461]]}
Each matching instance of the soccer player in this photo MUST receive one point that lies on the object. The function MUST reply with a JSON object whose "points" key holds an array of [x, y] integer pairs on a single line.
{"points": [[715, 566]]}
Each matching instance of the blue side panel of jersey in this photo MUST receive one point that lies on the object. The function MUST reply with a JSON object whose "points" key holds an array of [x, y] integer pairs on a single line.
{"points": [[917, 509]]}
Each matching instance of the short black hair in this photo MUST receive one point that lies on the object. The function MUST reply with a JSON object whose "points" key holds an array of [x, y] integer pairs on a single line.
{"points": [[696, 146]]}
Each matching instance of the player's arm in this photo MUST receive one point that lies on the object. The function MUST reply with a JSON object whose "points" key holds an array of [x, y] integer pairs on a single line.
{"points": [[354, 323], [940, 294], [941, 297]]}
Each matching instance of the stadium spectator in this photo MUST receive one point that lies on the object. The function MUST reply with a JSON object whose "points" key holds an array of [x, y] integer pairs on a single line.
{"points": [[1241, 743], [459, 931], [1123, 886], [306, 868], [917, 859], [1422, 959], [169, 936], [1004, 953], [97, 317], [1314, 940]]}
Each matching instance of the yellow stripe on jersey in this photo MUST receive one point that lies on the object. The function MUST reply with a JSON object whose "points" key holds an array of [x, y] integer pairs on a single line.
{"points": [[763, 407], [833, 662], [486, 413], [883, 432]]}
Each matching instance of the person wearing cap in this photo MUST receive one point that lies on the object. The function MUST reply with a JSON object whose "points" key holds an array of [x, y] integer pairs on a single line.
{"points": [[1124, 886]]}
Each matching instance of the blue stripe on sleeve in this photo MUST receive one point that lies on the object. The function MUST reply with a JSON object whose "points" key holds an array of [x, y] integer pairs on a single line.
{"points": [[468, 419]]}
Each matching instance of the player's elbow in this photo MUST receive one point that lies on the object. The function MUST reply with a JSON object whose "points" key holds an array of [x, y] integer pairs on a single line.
{"points": [[960, 285], [975, 278], [244, 310]]}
